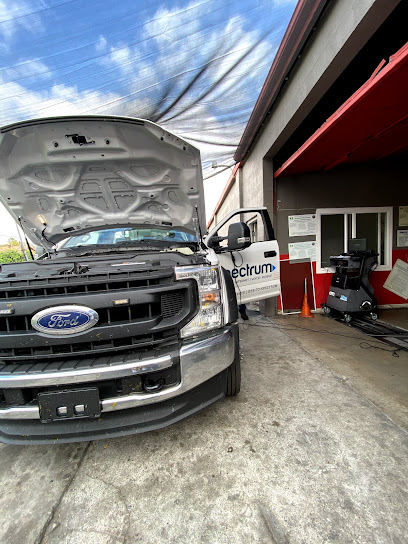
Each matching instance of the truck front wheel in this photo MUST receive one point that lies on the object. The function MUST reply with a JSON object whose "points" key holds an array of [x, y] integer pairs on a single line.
{"points": [[233, 385]]}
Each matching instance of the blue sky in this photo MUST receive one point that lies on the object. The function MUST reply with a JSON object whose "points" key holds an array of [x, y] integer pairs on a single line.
{"points": [[195, 67]]}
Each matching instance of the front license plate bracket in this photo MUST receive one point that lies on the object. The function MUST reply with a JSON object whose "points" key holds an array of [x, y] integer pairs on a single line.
{"points": [[69, 404]]}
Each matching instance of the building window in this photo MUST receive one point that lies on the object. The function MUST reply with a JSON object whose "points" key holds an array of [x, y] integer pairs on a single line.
{"points": [[341, 229]]}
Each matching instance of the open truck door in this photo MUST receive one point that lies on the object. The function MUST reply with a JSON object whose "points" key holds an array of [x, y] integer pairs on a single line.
{"points": [[253, 265]]}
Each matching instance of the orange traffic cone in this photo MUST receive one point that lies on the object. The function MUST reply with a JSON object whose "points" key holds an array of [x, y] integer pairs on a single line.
{"points": [[305, 306]]}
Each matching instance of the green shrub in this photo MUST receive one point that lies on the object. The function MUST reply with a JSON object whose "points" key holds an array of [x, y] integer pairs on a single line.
{"points": [[11, 256]]}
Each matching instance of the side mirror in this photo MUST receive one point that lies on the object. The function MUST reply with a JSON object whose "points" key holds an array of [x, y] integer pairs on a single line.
{"points": [[239, 236]]}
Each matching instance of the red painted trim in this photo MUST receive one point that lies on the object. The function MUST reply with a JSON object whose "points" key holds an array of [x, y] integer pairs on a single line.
{"points": [[224, 194], [377, 280], [378, 69], [298, 31]]}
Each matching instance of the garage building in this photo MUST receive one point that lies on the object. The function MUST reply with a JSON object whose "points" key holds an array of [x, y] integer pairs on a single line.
{"points": [[328, 140]]}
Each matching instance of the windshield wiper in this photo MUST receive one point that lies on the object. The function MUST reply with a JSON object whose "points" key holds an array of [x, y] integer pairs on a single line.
{"points": [[126, 246], [99, 250], [141, 241]]}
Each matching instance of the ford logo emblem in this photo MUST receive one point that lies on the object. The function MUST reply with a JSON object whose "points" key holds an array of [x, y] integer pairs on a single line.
{"points": [[62, 320]]}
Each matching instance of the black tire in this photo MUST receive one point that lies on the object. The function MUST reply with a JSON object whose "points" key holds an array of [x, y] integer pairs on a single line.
{"points": [[233, 384]]}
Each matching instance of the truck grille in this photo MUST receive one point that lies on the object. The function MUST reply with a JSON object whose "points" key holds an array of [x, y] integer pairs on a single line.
{"points": [[170, 305], [72, 285], [158, 308], [83, 348]]}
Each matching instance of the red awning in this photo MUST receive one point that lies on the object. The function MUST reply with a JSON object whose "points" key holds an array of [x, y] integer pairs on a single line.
{"points": [[370, 125]]}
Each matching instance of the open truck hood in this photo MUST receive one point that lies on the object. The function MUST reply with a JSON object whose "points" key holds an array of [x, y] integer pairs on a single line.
{"points": [[64, 176]]}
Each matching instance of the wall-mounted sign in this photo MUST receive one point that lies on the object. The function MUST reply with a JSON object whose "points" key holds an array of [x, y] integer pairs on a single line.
{"points": [[397, 281], [302, 250], [403, 216], [302, 225], [402, 238]]}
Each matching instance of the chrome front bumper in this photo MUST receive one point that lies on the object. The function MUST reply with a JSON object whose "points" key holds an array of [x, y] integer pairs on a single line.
{"points": [[200, 360]]}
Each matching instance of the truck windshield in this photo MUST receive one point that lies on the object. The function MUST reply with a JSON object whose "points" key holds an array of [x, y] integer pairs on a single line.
{"points": [[127, 235]]}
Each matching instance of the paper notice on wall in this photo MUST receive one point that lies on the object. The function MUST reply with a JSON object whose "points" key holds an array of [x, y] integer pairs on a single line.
{"points": [[402, 238], [302, 225], [403, 216], [397, 281], [302, 250]]}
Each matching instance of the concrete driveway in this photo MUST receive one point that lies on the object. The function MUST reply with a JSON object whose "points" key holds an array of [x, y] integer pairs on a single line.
{"points": [[298, 457]]}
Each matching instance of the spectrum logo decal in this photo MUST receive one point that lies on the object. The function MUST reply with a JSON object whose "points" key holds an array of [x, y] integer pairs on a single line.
{"points": [[248, 271]]}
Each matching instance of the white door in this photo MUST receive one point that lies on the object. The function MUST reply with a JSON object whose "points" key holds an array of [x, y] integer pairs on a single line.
{"points": [[255, 270]]}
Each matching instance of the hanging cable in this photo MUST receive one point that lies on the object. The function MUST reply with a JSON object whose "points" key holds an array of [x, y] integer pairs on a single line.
{"points": [[363, 345]]}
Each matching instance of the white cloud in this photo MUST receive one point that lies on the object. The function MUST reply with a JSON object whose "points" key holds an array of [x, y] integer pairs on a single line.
{"points": [[176, 41], [121, 56], [150, 74], [168, 26], [175, 45], [17, 102], [15, 15], [25, 69], [102, 44]]}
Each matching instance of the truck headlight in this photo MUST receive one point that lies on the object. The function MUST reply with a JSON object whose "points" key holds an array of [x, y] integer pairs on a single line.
{"points": [[210, 315]]}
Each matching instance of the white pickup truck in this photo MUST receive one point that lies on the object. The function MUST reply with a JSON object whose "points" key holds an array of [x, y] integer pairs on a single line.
{"points": [[128, 321]]}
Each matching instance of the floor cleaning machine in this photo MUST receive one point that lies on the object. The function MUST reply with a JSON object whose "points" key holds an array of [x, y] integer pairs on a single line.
{"points": [[350, 291]]}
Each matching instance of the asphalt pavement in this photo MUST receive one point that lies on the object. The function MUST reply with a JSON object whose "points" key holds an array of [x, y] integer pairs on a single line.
{"points": [[299, 457]]}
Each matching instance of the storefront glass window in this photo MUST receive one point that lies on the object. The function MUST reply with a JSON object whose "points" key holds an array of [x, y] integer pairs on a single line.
{"points": [[370, 227], [367, 228], [332, 239]]}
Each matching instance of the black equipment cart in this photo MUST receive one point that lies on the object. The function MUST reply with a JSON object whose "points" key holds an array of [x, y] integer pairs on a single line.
{"points": [[350, 290]]}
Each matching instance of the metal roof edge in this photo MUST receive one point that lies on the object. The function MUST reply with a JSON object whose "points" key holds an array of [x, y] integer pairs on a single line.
{"points": [[383, 70], [300, 27]]}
